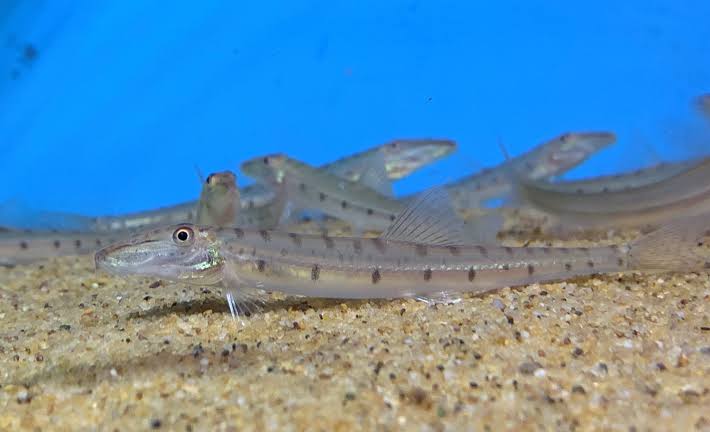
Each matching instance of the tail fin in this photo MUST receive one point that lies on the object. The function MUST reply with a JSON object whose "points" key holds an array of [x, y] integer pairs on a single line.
{"points": [[682, 245]]}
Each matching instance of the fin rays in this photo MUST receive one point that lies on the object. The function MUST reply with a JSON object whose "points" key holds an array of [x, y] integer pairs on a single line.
{"points": [[428, 219]]}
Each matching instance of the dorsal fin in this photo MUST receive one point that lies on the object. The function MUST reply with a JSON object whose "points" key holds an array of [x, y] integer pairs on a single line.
{"points": [[427, 219]]}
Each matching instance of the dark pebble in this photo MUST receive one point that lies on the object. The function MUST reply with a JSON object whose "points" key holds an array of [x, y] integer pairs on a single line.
{"points": [[529, 368], [197, 350], [578, 389]]}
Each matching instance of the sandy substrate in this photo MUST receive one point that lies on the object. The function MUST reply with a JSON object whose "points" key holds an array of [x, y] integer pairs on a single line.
{"points": [[82, 351]]}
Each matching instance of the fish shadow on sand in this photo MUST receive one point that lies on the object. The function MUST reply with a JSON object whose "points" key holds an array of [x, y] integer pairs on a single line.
{"points": [[196, 361], [219, 305]]}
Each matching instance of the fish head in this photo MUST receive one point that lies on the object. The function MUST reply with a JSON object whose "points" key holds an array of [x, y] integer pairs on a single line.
{"points": [[224, 179], [220, 200], [183, 253], [569, 150], [219, 185], [269, 168], [404, 156]]}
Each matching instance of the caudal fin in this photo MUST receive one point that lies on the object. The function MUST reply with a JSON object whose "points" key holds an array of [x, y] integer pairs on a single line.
{"points": [[682, 245]]}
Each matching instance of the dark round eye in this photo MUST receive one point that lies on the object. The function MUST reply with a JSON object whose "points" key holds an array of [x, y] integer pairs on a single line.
{"points": [[266, 161], [209, 179], [183, 235]]}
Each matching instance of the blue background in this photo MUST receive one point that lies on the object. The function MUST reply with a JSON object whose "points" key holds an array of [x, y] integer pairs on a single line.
{"points": [[122, 99]]}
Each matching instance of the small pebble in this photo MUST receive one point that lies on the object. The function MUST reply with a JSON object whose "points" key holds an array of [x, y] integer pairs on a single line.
{"points": [[540, 373], [23, 396], [528, 368], [578, 389]]}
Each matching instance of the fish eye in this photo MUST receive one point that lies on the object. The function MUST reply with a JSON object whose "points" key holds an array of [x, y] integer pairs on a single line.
{"points": [[266, 160], [209, 179], [183, 235]]}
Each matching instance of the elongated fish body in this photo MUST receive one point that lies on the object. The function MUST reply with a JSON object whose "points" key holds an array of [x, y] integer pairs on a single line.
{"points": [[218, 206], [313, 188], [401, 158], [386, 267], [161, 216], [18, 247], [546, 160], [650, 205], [621, 181], [256, 195], [248, 215], [342, 267]]}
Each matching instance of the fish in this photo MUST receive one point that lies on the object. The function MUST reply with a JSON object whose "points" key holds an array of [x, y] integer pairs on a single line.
{"points": [[183, 212], [357, 203], [219, 203], [218, 206], [545, 161], [399, 159], [622, 181], [645, 207], [420, 256], [369, 206], [260, 206], [24, 247]]}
